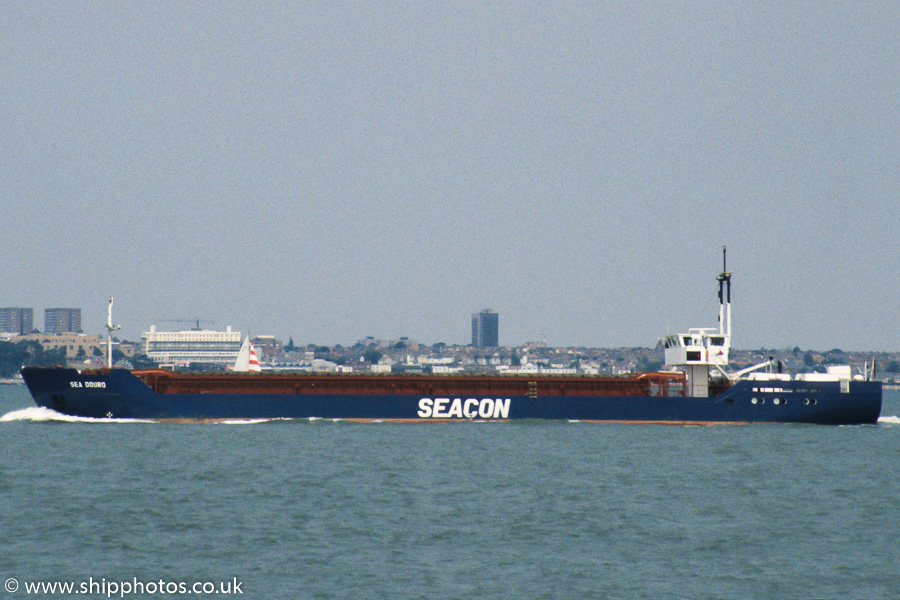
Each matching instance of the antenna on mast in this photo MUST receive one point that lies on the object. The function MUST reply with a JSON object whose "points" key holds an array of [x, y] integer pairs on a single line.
{"points": [[109, 330], [724, 280]]}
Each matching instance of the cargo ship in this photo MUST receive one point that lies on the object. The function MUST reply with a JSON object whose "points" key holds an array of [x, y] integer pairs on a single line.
{"points": [[700, 389]]}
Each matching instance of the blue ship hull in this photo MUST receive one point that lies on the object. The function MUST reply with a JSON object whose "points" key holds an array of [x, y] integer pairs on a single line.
{"points": [[119, 393]]}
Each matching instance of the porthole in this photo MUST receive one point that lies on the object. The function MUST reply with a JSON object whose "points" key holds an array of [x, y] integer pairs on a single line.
{"points": [[812, 401], [754, 400], [806, 401], [779, 401]]}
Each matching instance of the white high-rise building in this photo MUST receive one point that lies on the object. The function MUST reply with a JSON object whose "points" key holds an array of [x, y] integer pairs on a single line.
{"points": [[192, 346]]}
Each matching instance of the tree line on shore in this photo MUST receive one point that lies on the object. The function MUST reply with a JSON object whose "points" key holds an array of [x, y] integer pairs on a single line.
{"points": [[30, 353]]}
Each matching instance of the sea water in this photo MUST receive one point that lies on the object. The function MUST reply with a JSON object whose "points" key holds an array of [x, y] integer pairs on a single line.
{"points": [[323, 509]]}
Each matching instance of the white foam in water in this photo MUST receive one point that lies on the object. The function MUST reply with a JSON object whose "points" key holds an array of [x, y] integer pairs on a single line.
{"points": [[41, 413]]}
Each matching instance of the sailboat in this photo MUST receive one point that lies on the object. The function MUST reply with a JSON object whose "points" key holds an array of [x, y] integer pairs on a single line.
{"points": [[247, 361]]}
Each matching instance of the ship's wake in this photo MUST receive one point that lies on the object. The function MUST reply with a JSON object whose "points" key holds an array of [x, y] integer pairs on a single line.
{"points": [[42, 414]]}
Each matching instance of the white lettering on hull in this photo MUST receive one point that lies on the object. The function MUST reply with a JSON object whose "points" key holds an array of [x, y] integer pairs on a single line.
{"points": [[87, 384], [469, 408]]}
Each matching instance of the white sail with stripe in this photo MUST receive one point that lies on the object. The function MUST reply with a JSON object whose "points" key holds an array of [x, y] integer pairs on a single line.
{"points": [[247, 361]]}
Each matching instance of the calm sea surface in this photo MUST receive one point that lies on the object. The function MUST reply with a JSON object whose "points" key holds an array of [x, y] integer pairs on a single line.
{"points": [[300, 509]]}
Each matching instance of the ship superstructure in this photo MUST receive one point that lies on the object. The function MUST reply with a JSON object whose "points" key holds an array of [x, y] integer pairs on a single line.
{"points": [[703, 349]]}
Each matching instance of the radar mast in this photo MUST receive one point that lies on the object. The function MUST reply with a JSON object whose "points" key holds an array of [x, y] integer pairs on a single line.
{"points": [[724, 280], [109, 331]]}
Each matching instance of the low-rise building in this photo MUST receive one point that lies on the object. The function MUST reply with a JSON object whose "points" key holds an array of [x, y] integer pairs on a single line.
{"points": [[267, 347], [79, 347]]}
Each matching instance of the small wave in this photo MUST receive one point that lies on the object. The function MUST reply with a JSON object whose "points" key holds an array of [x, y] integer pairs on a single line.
{"points": [[311, 420], [893, 420], [41, 413]]}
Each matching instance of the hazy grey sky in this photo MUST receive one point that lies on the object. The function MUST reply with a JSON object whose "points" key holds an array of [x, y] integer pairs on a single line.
{"points": [[331, 170]]}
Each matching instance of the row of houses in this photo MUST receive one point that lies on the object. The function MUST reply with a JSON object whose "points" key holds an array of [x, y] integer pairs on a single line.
{"points": [[220, 349]]}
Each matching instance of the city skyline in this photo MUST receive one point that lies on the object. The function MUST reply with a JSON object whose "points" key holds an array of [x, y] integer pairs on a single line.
{"points": [[386, 169], [201, 325]]}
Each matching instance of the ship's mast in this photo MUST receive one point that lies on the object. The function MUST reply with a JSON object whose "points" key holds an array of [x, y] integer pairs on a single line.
{"points": [[109, 330], [724, 280]]}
